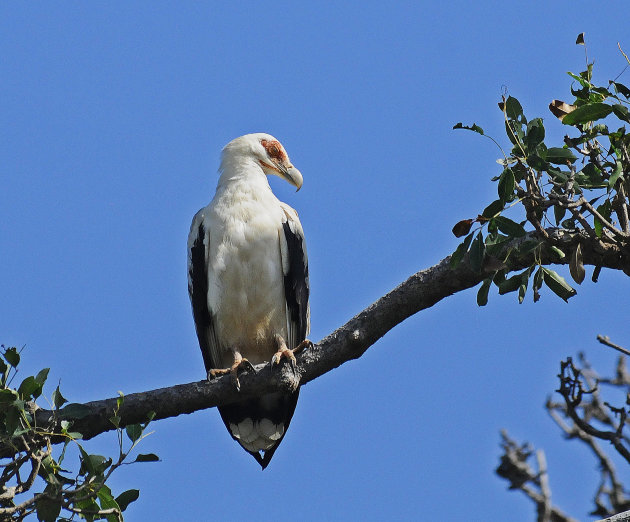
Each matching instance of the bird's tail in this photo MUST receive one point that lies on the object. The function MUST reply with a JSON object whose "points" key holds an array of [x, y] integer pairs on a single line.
{"points": [[259, 424]]}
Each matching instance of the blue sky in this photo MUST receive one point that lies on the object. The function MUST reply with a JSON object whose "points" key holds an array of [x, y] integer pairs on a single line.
{"points": [[112, 120]]}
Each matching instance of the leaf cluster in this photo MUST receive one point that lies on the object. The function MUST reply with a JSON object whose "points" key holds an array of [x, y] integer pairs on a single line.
{"points": [[579, 185], [34, 481]]}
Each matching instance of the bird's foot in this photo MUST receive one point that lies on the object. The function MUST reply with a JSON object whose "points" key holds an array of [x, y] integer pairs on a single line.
{"points": [[285, 353], [305, 344], [238, 366]]}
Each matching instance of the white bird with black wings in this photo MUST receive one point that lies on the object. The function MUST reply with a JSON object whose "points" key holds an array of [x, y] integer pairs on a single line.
{"points": [[248, 284]]}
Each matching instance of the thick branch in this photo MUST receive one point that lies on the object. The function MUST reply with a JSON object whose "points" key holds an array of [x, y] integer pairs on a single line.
{"points": [[422, 290]]}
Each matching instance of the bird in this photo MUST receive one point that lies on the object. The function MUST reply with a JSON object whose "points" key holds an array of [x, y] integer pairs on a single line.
{"points": [[249, 286]]}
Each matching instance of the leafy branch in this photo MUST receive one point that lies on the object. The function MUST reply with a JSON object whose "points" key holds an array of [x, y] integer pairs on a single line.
{"points": [[32, 461], [581, 186]]}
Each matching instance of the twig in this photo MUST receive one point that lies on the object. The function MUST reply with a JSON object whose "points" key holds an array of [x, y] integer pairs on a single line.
{"points": [[544, 507], [517, 471], [604, 339]]}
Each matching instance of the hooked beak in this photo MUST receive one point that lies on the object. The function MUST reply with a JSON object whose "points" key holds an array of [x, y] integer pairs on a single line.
{"points": [[286, 171], [292, 175]]}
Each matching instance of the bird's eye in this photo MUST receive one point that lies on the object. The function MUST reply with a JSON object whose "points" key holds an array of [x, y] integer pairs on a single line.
{"points": [[273, 149]]}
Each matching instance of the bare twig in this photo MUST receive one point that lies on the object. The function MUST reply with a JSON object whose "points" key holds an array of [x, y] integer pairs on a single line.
{"points": [[544, 507], [514, 467], [604, 339]]}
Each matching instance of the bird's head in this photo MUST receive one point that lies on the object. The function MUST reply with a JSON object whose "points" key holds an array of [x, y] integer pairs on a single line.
{"points": [[267, 152]]}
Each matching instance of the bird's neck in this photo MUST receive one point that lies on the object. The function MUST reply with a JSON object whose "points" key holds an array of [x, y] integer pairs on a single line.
{"points": [[242, 171]]}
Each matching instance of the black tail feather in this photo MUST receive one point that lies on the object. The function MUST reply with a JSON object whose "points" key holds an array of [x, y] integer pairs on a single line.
{"points": [[277, 407]]}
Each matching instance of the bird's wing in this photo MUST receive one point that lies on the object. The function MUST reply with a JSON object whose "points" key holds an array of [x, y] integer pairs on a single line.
{"points": [[198, 248], [295, 271]]}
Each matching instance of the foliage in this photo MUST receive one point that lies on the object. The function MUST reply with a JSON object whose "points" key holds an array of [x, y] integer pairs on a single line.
{"points": [[579, 186], [33, 466]]}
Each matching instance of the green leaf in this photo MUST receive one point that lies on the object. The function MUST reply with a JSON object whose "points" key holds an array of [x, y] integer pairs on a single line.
{"points": [[42, 376], [482, 293], [152, 457], [107, 502], [48, 509], [605, 210], [538, 281], [507, 183], [120, 400], [477, 250], [590, 174], [7, 396], [621, 111], [474, 127], [88, 505], [559, 155], [74, 411], [29, 388], [93, 464], [587, 113], [13, 418], [557, 284], [514, 131], [535, 134], [558, 213], [12, 356], [536, 161], [509, 227], [134, 432], [510, 285], [58, 399], [513, 108], [493, 209], [581, 80], [558, 252], [621, 89], [127, 497], [460, 251], [616, 174]]}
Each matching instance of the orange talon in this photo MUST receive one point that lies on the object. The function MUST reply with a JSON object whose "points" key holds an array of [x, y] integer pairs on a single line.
{"points": [[240, 364]]}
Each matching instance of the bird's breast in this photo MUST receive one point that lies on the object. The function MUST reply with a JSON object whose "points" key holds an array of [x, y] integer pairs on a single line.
{"points": [[246, 291]]}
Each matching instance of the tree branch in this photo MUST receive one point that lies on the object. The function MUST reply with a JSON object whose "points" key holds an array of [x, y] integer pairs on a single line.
{"points": [[422, 290]]}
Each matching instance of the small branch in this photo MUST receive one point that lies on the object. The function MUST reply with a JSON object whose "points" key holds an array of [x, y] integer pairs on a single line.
{"points": [[605, 222], [621, 207], [604, 339], [544, 507], [582, 220], [572, 392], [517, 471]]}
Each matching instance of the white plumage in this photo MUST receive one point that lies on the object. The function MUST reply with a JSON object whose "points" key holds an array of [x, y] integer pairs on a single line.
{"points": [[248, 283]]}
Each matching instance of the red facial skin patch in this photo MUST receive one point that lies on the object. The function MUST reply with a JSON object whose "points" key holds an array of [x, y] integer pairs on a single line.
{"points": [[275, 151]]}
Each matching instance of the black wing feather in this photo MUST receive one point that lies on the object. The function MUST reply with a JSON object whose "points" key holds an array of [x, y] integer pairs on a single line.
{"points": [[198, 291], [296, 287]]}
